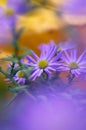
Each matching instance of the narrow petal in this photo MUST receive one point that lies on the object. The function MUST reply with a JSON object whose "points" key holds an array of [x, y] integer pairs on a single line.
{"points": [[30, 59], [67, 55], [48, 72], [55, 59], [83, 55], [34, 55], [35, 73], [82, 63], [32, 65], [55, 64], [51, 68], [73, 55], [53, 52], [64, 59], [41, 71]]}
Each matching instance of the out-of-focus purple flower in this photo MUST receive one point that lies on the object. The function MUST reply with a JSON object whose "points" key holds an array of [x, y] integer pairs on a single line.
{"points": [[74, 64], [47, 62], [9, 16], [75, 10], [20, 77], [75, 7], [13, 8], [66, 46], [7, 21], [19, 6]]}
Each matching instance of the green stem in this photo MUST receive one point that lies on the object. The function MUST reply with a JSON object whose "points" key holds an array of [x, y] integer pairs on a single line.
{"points": [[16, 47], [11, 101]]}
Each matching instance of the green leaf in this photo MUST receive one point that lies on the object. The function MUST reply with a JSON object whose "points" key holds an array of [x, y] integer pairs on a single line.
{"points": [[11, 89], [17, 88], [19, 33]]}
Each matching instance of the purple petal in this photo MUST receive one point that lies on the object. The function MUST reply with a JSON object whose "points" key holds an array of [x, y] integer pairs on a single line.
{"points": [[54, 59], [73, 55], [64, 59], [34, 55], [35, 74], [82, 63], [51, 68], [55, 64], [47, 71], [30, 59], [81, 57], [67, 55]]}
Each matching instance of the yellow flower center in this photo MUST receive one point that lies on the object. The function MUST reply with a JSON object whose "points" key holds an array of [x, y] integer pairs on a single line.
{"points": [[59, 49], [73, 65], [9, 12], [21, 74], [43, 64]]}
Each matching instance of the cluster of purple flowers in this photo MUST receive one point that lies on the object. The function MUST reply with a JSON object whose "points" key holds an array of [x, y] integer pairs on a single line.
{"points": [[53, 59], [40, 90]]}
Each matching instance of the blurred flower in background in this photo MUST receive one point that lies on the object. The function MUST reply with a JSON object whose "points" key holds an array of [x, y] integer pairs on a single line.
{"points": [[19, 6], [74, 12], [8, 17]]}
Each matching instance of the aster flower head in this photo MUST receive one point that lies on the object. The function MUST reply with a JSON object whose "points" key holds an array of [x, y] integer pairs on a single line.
{"points": [[47, 62], [20, 77], [76, 65]]}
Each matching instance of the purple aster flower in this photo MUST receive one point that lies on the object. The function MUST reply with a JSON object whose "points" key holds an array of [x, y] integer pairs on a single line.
{"points": [[20, 77], [19, 6], [76, 65], [47, 62]]}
